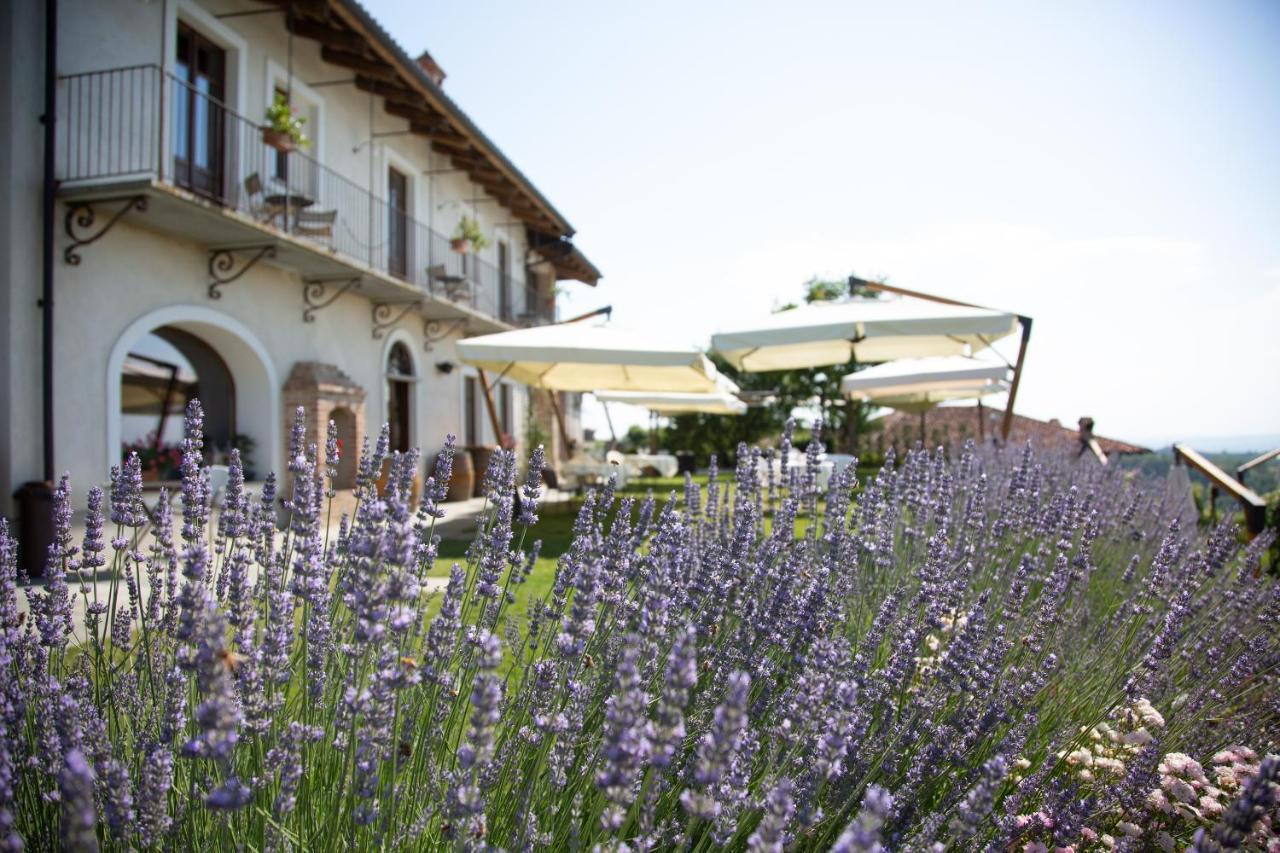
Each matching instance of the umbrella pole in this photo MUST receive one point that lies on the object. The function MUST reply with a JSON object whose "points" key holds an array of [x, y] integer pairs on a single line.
{"points": [[1025, 322], [564, 435], [613, 433], [982, 423], [493, 410], [922, 438]]}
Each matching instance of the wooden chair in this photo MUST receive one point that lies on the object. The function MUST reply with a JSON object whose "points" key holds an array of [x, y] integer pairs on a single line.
{"points": [[315, 223], [255, 201], [456, 287]]}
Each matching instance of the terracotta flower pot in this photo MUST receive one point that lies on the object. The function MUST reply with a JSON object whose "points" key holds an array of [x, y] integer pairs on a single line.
{"points": [[151, 474], [463, 481], [278, 140], [461, 245]]}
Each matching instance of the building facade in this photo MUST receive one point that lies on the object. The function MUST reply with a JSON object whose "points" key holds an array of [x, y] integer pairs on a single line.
{"points": [[198, 251]]}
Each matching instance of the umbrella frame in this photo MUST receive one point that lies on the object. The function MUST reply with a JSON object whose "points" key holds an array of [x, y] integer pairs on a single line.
{"points": [[1023, 321]]}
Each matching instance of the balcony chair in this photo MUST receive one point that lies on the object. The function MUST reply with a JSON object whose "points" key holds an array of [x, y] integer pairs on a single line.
{"points": [[315, 223], [456, 287], [255, 201]]}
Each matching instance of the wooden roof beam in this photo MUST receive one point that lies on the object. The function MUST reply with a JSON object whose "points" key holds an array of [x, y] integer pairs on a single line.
{"points": [[419, 114], [390, 91], [344, 40], [375, 68]]}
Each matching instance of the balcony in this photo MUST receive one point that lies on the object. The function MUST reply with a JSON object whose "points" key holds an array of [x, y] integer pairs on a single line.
{"points": [[205, 173]]}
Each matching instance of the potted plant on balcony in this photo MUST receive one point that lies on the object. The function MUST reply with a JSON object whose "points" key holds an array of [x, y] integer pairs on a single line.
{"points": [[468, 237], [283, 130]]}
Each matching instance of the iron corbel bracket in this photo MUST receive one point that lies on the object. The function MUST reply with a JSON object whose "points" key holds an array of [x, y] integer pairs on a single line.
{"points": [[387, 314], [314, 289], [80, 219], [222, 265], [435, 330]]}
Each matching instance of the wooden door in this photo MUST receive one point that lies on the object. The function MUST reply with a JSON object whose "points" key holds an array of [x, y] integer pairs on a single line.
{"points": [[199, 117]]}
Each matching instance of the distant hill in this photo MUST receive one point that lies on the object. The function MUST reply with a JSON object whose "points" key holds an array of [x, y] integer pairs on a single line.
{"points": [[1250, 445], [1263, 479]]}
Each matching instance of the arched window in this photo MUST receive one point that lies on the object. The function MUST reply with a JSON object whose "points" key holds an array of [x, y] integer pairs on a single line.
{"points": [[400, 378]]}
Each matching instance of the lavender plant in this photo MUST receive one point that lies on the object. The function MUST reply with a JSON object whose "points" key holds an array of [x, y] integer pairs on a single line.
{"points": [[990, 650]]}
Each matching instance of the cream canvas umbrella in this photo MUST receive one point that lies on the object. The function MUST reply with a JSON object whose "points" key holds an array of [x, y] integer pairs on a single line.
{"points": [[926, 380], [673, 403], [870, 330], [582, 357], [919, 384]]}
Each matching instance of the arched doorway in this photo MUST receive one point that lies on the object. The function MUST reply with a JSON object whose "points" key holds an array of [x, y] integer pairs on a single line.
{"points": [[345, 424], [201, 353], [165, 370], [400, 379]]}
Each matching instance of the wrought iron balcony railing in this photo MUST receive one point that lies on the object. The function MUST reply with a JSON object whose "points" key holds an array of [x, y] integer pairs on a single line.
{"points": [[142, 122]]}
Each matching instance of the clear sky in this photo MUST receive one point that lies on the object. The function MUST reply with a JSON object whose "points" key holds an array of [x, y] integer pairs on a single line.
{"points": [[1111, 169]]}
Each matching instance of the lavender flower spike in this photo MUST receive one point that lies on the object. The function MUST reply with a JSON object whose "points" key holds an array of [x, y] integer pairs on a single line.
{"points": [[532, 488], [717, 749], [863, 834], [79, 815]]}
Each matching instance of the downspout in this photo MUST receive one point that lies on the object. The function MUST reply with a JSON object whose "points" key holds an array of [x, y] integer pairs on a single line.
{"points": [[46, 237], [35, 499]]}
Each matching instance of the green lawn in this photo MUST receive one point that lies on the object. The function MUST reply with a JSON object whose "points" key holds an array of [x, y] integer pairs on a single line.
{"points": [[555, 529]]}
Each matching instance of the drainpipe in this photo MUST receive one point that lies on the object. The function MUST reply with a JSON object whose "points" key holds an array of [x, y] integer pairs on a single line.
{"points": [[46, 237], [35, 499]]}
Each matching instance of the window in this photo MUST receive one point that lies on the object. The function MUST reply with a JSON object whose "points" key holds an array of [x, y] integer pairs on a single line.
{"points": [[399, 396], [397, 223]]}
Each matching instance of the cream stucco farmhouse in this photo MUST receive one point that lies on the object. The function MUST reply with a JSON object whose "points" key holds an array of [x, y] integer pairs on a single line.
{"points": [[265, 204]]}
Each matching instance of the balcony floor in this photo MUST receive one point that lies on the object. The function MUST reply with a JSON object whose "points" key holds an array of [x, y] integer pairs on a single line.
{"points": [[177, 213]]}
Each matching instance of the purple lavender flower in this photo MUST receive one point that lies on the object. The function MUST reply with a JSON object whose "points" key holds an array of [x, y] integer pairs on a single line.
{"points": [[977, 803], [79, 815], [862, 835], [770, 835], [466, 803], [717, 749], [532, 489], [681, 676], [218, 716], [153, 791], [126, 493], [628, 736], [437, 486]]}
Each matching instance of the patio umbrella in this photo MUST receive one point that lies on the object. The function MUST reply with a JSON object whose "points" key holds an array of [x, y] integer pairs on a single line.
{"points": [[582, 357], [925, 381], [672, 403], [579, 357], [870, 330]]}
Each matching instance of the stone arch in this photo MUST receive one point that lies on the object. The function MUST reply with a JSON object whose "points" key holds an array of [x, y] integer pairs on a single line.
{"points": [[255, 391]]}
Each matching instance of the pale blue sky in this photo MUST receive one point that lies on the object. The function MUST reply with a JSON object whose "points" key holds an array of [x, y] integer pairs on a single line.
{"points": [[1112, 169]]}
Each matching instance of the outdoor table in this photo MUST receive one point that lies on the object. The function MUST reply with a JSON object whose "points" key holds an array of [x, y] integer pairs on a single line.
{"points": [[595, 470], [284, 204], [664, 463]]}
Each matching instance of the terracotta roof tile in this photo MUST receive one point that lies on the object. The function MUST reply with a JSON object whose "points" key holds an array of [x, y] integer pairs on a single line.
{"points": [[951, 425]]}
